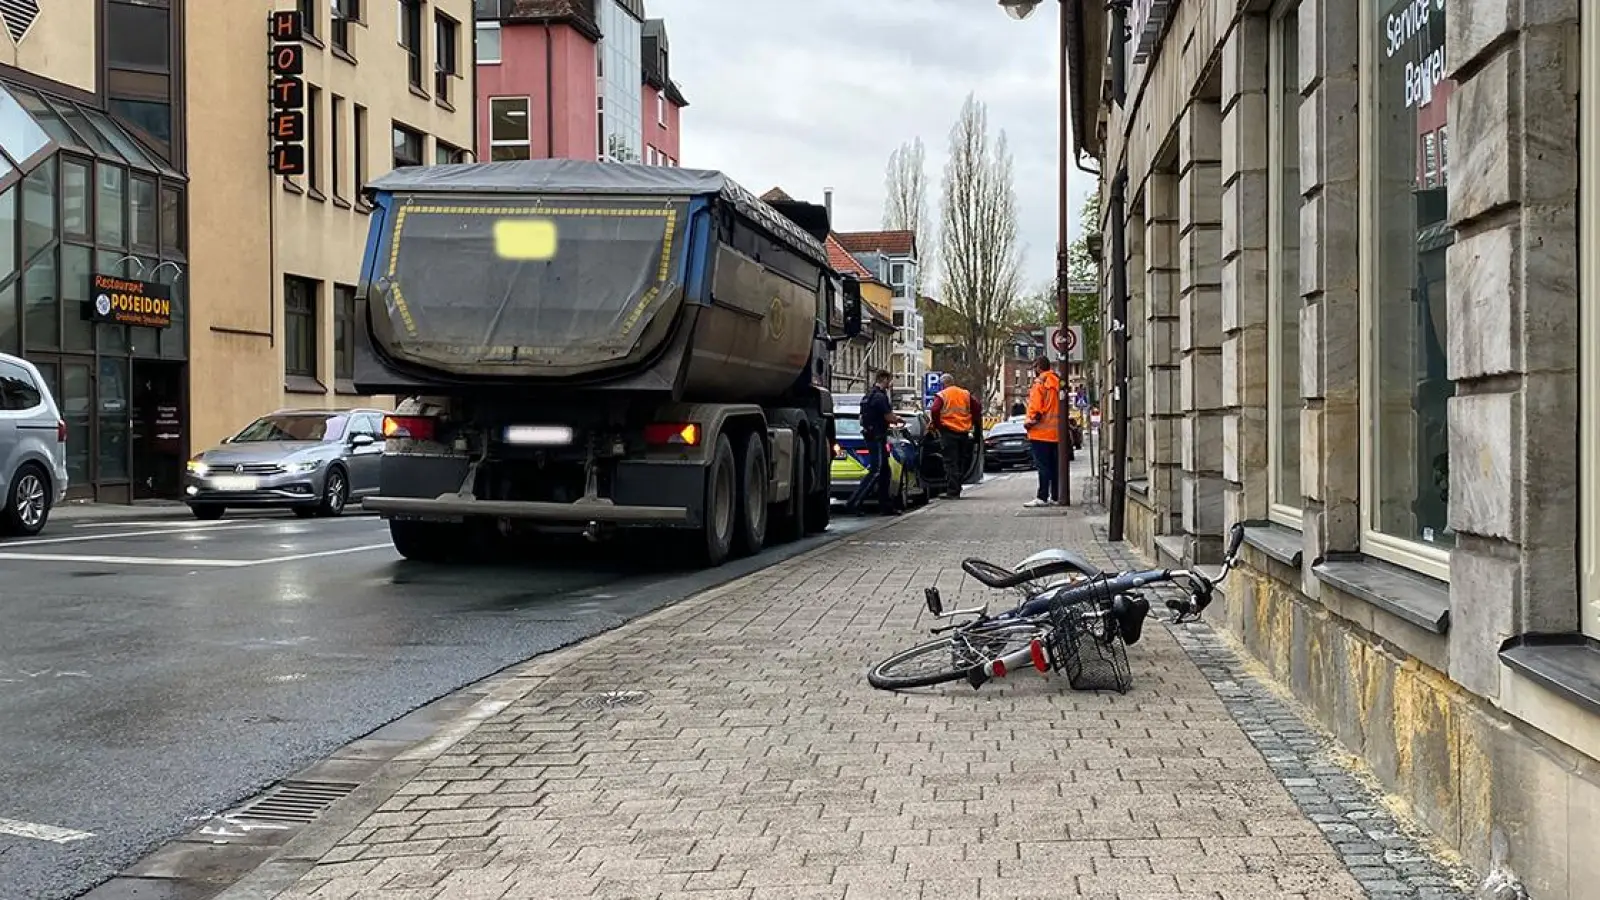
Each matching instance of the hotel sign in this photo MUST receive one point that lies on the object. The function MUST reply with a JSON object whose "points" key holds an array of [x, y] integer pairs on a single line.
{"points": [[1146, 20], [123, 301], [287, 126]]}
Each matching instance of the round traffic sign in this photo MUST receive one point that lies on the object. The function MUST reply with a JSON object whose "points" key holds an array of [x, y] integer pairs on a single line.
{"points": [[1072, 339], [1062, 340]]}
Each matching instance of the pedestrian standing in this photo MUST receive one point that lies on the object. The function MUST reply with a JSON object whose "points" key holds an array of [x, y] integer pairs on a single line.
{"points": [[954, 414], [877, 414], [1043, 424]]}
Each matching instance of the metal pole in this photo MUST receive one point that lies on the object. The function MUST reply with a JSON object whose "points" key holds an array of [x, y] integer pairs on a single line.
{"points": [[1063, 433], [1119, 337]]}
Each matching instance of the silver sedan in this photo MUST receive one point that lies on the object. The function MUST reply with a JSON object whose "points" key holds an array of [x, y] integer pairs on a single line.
{"points": [[313, 462]]}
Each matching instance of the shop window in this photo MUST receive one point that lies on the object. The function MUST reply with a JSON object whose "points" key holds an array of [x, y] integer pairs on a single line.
{"points": [[75, 220], [38, 210], [407, 146], [110, 213], [344, 335], [41, 301], [300, 326], [445, 67], [77, 400], [77, 333], [1283, 267], [175, 337], [509, 132], [1405, 380], [112, 396], [143, 225], [112, 338]]}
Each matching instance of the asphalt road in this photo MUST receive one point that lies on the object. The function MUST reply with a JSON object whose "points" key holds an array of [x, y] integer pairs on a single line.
{"points": [[154, 673]]}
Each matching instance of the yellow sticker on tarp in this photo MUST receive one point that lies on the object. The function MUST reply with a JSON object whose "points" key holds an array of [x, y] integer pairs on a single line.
{"points": [[525, 239]]}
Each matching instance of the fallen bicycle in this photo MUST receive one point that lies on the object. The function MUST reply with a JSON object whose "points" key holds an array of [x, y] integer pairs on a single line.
{"points": [[1079, 625]]}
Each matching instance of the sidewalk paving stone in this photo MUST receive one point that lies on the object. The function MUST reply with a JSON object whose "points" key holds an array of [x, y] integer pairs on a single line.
{"points": [[730, 747]]}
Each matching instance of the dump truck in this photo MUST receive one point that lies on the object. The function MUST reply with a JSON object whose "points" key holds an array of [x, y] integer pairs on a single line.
{"points": [[589, 347]]}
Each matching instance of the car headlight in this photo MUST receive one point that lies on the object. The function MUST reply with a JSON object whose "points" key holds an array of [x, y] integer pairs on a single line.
{"points": [[196, 467], [302, 467]]}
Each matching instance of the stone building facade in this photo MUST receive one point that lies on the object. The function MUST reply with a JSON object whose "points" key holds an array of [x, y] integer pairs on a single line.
{"points": [[1378, 351]]}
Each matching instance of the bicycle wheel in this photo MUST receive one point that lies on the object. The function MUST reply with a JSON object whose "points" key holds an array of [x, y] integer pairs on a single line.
{"points": [[948, 658]]}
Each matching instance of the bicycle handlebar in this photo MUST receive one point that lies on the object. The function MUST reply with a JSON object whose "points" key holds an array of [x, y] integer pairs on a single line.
{"points": [[1201, 586]]}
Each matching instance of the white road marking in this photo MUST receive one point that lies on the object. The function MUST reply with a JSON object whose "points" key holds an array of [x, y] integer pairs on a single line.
{"points": [[305, 528], [191, 563], [42, 832]]}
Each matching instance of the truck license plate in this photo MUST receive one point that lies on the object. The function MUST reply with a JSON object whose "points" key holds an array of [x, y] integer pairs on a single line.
{"points": [[234, 483]]}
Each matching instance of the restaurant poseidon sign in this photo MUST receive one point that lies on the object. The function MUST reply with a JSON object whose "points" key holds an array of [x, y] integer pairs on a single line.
{"points": [[122, 301]]}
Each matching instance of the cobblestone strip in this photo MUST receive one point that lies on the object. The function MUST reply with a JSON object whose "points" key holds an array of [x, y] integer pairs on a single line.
{"points": [[1388, 859]]}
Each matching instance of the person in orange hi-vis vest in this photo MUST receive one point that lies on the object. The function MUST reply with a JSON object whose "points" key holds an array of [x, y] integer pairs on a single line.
{"points": [[954, 413], [1043, 424]]}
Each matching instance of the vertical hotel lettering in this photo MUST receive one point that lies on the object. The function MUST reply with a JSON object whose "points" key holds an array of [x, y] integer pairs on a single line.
{"points": [[288, 123]]}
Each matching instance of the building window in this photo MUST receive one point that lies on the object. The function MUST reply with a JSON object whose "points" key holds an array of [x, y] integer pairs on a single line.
{"points": [[300, 326], [407, 146], [140, 69], [1283, 265], [445, 32], [508, 128], [313, 140], [1589, 328], [344, 335], [358, 144], [110, 201], [411, 38], [661, 108], [488, 42], [308, 17], [1405, 382], [344, 14], [143, 217], [599, 128], [336, 144]]}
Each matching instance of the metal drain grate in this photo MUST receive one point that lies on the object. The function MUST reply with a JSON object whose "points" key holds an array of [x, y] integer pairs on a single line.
{"points": [[296, 801], [616, 699]]}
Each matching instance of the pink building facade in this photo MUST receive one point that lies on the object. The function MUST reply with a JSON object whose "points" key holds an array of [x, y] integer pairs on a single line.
{"points": [[575, 79]]}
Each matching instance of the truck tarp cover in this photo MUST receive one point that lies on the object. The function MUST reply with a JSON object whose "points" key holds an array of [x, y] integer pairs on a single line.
{"points": [[524, 283]]}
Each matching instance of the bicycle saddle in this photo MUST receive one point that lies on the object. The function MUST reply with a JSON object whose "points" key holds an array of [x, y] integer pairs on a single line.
{"points": [[1040, 565]]}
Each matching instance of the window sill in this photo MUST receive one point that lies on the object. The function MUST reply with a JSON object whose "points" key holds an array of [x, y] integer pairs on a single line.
{"points": [[343, 54], [363, 207], [1418, 599], [419, 92], [444, 104], [1172, 546], [1567, 664], [313, 40], [345, 388], [340, 202], [1282, 544], [1142, 488], [303, 384], [292, 188], [317, 195]]}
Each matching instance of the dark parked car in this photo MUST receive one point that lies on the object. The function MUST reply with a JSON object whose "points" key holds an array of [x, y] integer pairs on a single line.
{"points": [[1006, 445]]}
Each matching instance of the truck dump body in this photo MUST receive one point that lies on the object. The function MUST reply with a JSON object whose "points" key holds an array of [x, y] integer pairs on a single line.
{"points": [[564, 269]]}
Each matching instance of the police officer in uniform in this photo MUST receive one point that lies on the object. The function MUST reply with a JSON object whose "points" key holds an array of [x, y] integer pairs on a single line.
{"points": [[954, 414], [877, 414]]}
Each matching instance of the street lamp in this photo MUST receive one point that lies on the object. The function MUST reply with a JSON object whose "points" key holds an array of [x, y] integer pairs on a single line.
{"points": [[1021, 9]]}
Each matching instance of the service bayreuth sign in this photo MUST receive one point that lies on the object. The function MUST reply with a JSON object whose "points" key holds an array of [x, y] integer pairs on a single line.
{"points": [[122, 301]]}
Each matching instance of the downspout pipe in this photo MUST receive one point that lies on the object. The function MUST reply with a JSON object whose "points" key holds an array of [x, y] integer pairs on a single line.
{"points": [[1119, 51], [1119, 341]]}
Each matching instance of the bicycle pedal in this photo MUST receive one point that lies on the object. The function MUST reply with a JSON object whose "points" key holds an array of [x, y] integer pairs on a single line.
{"points": [[934, 601]]}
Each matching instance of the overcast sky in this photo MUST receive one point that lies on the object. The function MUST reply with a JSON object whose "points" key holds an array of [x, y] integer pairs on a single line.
{"points": [[814, 94]]}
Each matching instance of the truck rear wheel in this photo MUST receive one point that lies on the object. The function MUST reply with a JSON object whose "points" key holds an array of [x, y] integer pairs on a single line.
{"points": [[751, 534], [722, 505], [425, 541]]}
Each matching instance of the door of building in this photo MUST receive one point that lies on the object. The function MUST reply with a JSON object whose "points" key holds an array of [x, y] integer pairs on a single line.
{"points": [[157, 438]]}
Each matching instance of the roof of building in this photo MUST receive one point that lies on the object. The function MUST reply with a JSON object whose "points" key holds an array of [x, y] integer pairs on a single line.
{"points": [[655, 61], [776, 194], [578, 176], [577, 13], [890, 243], [844, 263]]}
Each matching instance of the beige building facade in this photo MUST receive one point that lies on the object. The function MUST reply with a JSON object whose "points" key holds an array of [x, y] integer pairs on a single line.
{"points": [[1376, 349], [156, 168]]}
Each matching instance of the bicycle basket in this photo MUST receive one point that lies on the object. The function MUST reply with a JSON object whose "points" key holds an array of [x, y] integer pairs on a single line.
{"points": [[1086, 645]]}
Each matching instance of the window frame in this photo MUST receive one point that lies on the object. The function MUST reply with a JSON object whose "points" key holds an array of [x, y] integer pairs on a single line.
{"points": [[1433, 562], [313, 289], [415, 68], [527, 125], [339, 22], [336, 145], [358, 150], [344, 315], [661, 108], [1290, 515], [308, 18], [313, 146], [445, 53], [396, 127], [479, 29], [1588, 331]]}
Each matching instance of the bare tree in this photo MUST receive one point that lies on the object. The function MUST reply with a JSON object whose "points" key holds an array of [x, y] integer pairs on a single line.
{"points": [[981, 262], [905, 202]]}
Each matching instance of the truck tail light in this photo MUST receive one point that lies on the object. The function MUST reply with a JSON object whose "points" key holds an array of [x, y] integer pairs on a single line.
{"points": [[416, 428], [61, 432], [679, 434]]}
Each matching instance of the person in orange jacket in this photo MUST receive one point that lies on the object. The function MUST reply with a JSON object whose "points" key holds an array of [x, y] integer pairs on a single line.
{"points": [[1043, 424]]}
